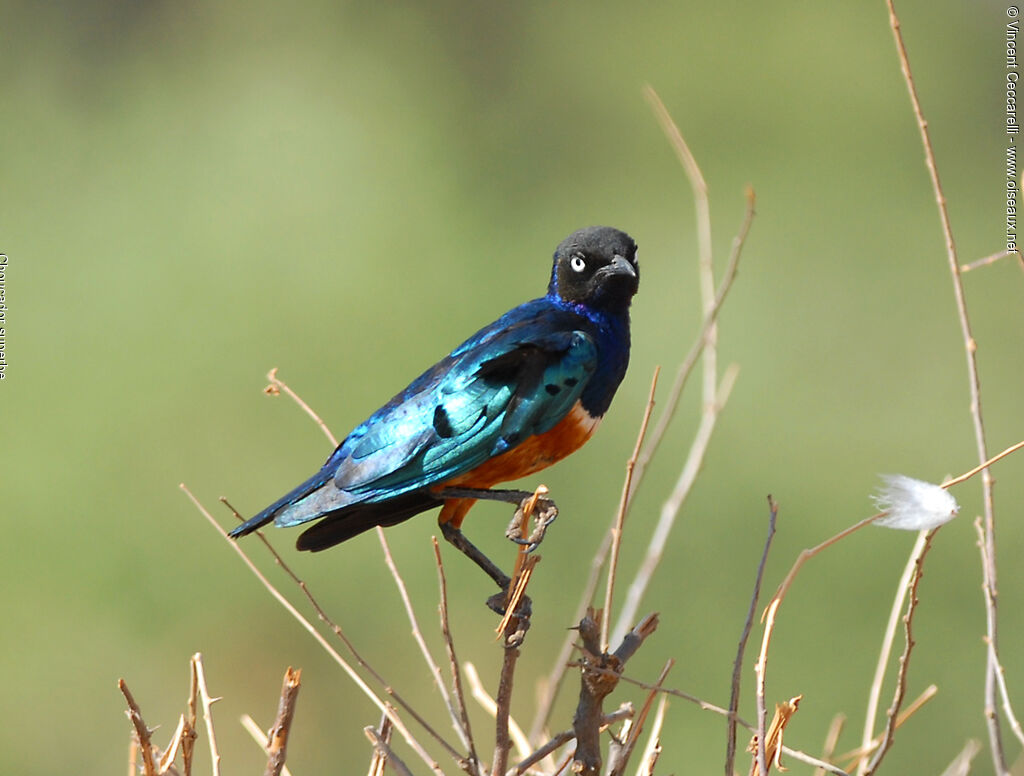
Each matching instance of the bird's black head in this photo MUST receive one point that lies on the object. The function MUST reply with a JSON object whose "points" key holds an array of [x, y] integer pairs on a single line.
{"points": [[596, 267]]}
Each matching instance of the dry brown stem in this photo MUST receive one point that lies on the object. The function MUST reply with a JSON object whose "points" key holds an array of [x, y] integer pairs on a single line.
{"points": [[462, 716], [737, 667], [141, 731], [974, 382], [277, 740]]}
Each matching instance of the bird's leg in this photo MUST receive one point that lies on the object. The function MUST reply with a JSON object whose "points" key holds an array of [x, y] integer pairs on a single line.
{"points": [[457, 539], [544, 511]]}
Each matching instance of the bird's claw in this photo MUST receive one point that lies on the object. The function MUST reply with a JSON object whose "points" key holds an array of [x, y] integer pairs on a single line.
{"points": [[544, 513]]}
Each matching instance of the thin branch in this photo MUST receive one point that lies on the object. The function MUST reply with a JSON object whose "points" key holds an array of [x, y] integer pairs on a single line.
{"points": [[189, 734], [166, 764], [983, 466], [141, 731], [637, 726], [874, 696], [1015, 725], [392, 759], [620, 517], [737, 667], [653, 749], [670, 509], [992, 259], [854, 756], [322, 641], [503, 700], [379, 760], [974, 382], [835, 728], [432, 666], [453, 662], [488, 704], [277, 740], [961, 765], [259, 735], [901, 677], [625, 711], [277, 386], [207, 702]]}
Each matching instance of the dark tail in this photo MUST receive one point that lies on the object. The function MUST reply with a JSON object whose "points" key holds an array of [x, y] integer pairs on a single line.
{"points": [[340, 526], [268, 514]]}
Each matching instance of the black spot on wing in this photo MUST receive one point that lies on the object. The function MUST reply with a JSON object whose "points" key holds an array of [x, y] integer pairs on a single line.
{"points": [[552, 389], [442, 425], [570, 382]]}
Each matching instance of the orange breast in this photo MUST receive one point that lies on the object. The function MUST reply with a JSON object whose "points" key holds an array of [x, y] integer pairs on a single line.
{"points": [[536, 453]]}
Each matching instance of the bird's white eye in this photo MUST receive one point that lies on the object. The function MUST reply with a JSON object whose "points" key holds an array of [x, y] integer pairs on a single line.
{"points": [[577, 263]]}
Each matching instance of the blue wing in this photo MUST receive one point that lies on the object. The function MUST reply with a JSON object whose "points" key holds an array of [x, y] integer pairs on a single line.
{"points": [[514, 379]]}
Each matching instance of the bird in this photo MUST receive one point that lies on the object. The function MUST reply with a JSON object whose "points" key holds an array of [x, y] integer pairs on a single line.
{"points": [[522, 393]]}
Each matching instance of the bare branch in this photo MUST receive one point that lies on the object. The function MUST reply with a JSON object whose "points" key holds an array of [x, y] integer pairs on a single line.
{"points": [[207, 701], [259, 735], [462, 718], [901, 677], [392, 759], [831, 740], [141, 731], [620, 517], [902, 588], [277, 740], [737, 667], [974, 382], [277, 386], [670, 509], [992, 259]]}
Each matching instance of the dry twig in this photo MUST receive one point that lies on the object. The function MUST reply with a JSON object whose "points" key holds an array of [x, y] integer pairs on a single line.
{"points": [[277, 740], [974, 382], [207, 701], [902, 588], [901, 677], [737, 667], [141, 731], [462, 717]]}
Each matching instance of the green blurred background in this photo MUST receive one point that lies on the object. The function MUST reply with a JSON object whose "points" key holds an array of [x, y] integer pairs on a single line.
{"points": [[195, 193]]}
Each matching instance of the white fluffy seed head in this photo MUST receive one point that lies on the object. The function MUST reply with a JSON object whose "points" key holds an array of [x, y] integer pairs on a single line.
{"points": [[913, 505]]}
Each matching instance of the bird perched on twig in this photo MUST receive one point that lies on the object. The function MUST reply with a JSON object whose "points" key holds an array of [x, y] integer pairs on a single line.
{"points": [[520, 394]]}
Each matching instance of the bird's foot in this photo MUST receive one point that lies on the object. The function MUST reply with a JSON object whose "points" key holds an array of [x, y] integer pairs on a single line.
{"points": [[543, 510]]}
